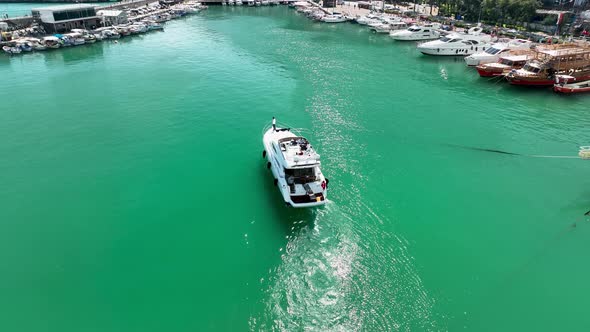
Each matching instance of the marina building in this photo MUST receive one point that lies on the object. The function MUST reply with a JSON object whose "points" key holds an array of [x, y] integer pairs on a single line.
{"points": [[58, 19], [112, 17]]}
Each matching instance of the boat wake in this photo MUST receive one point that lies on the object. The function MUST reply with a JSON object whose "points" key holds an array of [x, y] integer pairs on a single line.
{"points": [[338, 276]]}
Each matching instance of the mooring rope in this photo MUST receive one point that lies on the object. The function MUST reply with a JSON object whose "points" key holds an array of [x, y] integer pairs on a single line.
{"points": [[584, 152]]}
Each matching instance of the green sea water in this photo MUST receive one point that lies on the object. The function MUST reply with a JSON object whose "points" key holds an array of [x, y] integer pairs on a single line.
{"points": [[133, 194]]}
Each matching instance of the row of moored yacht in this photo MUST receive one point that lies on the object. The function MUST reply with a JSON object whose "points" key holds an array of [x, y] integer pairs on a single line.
{"points": [[141, 22], [566, 67]]}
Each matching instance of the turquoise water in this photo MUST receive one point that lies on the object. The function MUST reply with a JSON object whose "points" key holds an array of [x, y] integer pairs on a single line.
{"points": [[24, 8], [134, 196]]}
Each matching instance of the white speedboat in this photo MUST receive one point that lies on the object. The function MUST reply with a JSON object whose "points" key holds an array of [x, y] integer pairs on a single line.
{"points": [[88, 37], [265, 2], [415, 32], [494, 52], [34, 43], [12, 49], [387, 27], [251, 3], [75, 38], [458, 43], [152, 25], [334, 18], [239, 2], [368, 19], [52, 42], [107, 33], [295, 166]]}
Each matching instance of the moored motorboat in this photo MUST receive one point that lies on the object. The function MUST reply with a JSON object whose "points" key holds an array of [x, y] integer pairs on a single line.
{"points": [[571, 88], [415, 32], [295, 166], [387, 27], [12, 49], [494, 52], [52, 42], [504, 65], [368, 19], [457, 44], [89, 38], [334, 18]]}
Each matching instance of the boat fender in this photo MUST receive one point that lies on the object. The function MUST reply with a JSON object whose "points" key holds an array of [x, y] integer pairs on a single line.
{"points": [[476, 48], [456, 51], [438, 50], [263, 153], [268, 165], [327, 182], [323, 185], [276, 182], [472, 48]]}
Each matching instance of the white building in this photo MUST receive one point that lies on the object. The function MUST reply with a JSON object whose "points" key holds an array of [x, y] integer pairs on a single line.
{"points": [[112, 17]]}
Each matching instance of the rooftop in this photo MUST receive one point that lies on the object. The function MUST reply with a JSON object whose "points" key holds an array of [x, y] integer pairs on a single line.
{"points": [[64, 7], [109, 12]]}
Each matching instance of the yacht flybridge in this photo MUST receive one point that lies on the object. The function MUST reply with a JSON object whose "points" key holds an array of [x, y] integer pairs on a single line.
{"points": [[295, 165]]}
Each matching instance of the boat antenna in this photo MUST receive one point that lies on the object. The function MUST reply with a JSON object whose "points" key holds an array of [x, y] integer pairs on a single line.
{"points": [[274, 124]]}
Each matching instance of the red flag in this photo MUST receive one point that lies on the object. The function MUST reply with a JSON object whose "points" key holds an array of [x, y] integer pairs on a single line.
{"points": [[560, 18]]}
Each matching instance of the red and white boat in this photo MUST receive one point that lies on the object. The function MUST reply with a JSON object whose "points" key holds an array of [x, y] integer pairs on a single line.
{"points": [[503, 66], [570, 88]]}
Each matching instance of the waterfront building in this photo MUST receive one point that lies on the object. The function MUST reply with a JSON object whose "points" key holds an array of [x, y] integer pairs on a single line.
{"points": [[112, 17], [59, 19]]}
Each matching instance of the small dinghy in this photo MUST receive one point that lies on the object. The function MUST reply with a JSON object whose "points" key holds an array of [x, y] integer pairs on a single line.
{"points": [[295, 166]]}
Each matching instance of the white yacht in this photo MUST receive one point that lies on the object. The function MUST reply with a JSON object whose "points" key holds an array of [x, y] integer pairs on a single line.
{"points": [[497, 50], [239, 2], [334, 18], [458, 43], [387, 27], [368, 19], [417, 32], [295, 166]]}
